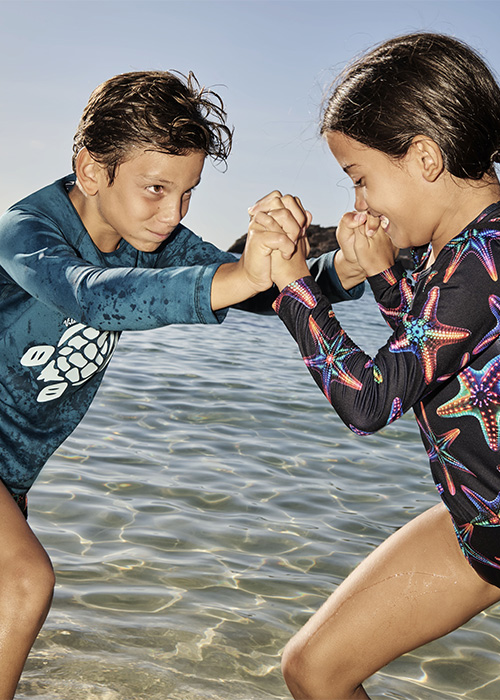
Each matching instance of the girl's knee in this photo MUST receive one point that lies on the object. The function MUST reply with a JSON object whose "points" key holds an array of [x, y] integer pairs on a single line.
{"points": [[314, 671], [303, 674]]}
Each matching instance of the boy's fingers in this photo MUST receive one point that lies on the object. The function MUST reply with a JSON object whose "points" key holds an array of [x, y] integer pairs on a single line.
{"points": [[267, 221], [275, 201], [266, 203], [295, 206], [280, 220]]}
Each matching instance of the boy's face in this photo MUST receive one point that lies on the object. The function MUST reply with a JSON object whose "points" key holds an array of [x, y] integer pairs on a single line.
{"points": [[149, 197]]}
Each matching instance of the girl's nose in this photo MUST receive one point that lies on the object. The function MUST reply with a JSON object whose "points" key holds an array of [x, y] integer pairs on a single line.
{"points": [[360, 202]]}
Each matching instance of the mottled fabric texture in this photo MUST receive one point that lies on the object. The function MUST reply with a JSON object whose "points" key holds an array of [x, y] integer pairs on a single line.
{"points": [[64, 303]]}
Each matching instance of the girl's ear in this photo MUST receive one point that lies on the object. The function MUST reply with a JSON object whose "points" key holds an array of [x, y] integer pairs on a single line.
{"points": [[428, 157], [88, 173]]}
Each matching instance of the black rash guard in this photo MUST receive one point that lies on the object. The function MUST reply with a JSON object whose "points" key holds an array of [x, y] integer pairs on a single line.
{"points": [[442, 360]]}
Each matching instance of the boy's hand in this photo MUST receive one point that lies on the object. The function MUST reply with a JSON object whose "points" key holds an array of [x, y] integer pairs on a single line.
{"points": [[235, 282], [277, 205]]}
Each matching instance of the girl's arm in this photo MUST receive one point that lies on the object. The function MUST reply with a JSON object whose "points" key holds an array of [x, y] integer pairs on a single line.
{"points": [[449, 322]]}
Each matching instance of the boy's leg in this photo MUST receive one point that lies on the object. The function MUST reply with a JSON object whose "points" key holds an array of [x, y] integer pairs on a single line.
{"points": [[26, 586], [415, 587]]}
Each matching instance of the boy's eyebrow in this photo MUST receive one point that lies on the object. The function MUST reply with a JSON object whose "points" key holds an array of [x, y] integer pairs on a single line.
{"points": [[345, 168], [162, 181]]}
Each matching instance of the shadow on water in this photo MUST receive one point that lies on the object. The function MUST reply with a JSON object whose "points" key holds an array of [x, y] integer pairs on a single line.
{"points": [[207, 505]]}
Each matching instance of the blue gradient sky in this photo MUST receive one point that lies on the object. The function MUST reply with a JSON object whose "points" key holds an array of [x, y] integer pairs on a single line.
{"points": [[272, 62]]}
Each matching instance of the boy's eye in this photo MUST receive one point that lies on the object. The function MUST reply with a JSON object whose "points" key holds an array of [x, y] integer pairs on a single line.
{"points": [[155, 189], [358, 183]]}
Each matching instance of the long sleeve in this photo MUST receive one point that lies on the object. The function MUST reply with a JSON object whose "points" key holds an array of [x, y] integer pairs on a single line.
{"points": [[37, 259], [438, 329]]}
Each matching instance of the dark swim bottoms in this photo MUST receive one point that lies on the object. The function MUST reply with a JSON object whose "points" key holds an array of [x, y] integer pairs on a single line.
{"points": [[481, 547], [22, 502]]}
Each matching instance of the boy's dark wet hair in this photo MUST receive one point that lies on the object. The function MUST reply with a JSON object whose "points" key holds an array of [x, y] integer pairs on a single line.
{"points": [[154, 110], [421, 84]]}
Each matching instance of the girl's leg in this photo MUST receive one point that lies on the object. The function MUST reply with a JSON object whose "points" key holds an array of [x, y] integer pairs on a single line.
{"points": [[26, 587], [415, 587]]}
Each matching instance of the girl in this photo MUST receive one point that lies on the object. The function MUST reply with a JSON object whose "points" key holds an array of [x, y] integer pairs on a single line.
{"points": [[415, 123]]}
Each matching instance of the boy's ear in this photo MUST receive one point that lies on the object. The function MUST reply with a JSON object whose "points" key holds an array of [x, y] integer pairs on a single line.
{"points": [[88, 173], [428, 157]]}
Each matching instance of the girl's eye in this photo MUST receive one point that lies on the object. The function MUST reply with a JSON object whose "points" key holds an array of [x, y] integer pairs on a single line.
{"points": [[155, 189], [358, 183]]}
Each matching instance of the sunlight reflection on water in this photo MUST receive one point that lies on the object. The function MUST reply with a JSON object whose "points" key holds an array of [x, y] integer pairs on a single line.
{"points": [[207, 505]]}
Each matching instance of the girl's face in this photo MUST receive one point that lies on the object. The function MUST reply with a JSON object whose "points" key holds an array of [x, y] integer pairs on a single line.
{"points": [[394, 189]]}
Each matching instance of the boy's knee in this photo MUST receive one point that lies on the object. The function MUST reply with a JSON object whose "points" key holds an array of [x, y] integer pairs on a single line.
{"points": [[29, 582]]}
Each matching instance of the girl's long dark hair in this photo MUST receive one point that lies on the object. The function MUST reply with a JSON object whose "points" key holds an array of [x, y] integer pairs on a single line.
{"points": [[421, 84]]}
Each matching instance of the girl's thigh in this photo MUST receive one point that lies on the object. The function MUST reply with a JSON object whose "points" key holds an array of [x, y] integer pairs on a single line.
{"points": [[415, 587]]}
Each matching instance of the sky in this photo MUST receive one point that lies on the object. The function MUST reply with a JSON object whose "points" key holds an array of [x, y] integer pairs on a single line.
{"points": [[271, 61]]}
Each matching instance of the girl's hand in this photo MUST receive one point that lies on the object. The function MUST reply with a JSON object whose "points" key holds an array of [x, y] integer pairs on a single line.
{"points": [[283, 271], [373, 248]]}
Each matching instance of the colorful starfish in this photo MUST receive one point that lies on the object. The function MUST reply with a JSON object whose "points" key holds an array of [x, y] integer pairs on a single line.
{"points": [[438, 450], [329, 359], [396, 410], [400, 311], [424, 335], [479, 244], [299, 291], [494, 302], [488, 516], [479, 396], [488, 511], [464, 533]]}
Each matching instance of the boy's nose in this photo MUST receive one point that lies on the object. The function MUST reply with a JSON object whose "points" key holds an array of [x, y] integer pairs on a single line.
{"points": [[170, 213]]}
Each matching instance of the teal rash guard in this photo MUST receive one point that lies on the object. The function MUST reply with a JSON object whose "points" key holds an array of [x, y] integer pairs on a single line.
{"points": [[63, 305]]}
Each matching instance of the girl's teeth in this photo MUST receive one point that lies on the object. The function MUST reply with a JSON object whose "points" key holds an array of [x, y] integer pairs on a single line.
{"points": [[384, 222]]}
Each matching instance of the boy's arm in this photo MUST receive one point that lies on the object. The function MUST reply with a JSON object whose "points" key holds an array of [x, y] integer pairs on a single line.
{"points": [[251, 274], [337, 272]]}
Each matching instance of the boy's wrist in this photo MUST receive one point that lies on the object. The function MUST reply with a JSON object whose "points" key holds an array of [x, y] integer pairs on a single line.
{"points": [[232, 284]]}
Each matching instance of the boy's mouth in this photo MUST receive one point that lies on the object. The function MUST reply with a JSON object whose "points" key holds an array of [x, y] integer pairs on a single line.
{"points": [[384, 222]]}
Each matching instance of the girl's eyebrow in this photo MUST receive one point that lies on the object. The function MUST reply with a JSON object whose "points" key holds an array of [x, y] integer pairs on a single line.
{"points": [[346, 167]]}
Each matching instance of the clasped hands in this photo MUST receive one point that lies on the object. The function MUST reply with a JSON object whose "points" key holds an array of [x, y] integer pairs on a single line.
{"points": [[365, 248]]}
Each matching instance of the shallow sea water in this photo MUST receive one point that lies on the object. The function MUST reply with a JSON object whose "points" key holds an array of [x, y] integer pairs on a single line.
{"points": [[207, 505]]}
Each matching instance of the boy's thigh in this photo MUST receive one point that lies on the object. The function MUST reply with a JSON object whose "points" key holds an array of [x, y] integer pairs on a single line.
{"points": [[16, 536]]}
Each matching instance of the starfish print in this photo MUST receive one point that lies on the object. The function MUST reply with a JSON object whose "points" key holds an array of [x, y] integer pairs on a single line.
{"points": [[424, 335], [329, 359], [488, 516], [400, 311], [464, 533], [488, 511], [476, 242], [438, 450], [299, 291], [494, 302], [479, 397], [396, 410]]}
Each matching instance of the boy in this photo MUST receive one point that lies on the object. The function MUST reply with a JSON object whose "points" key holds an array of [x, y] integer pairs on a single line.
{"points": [[83, 259]]}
